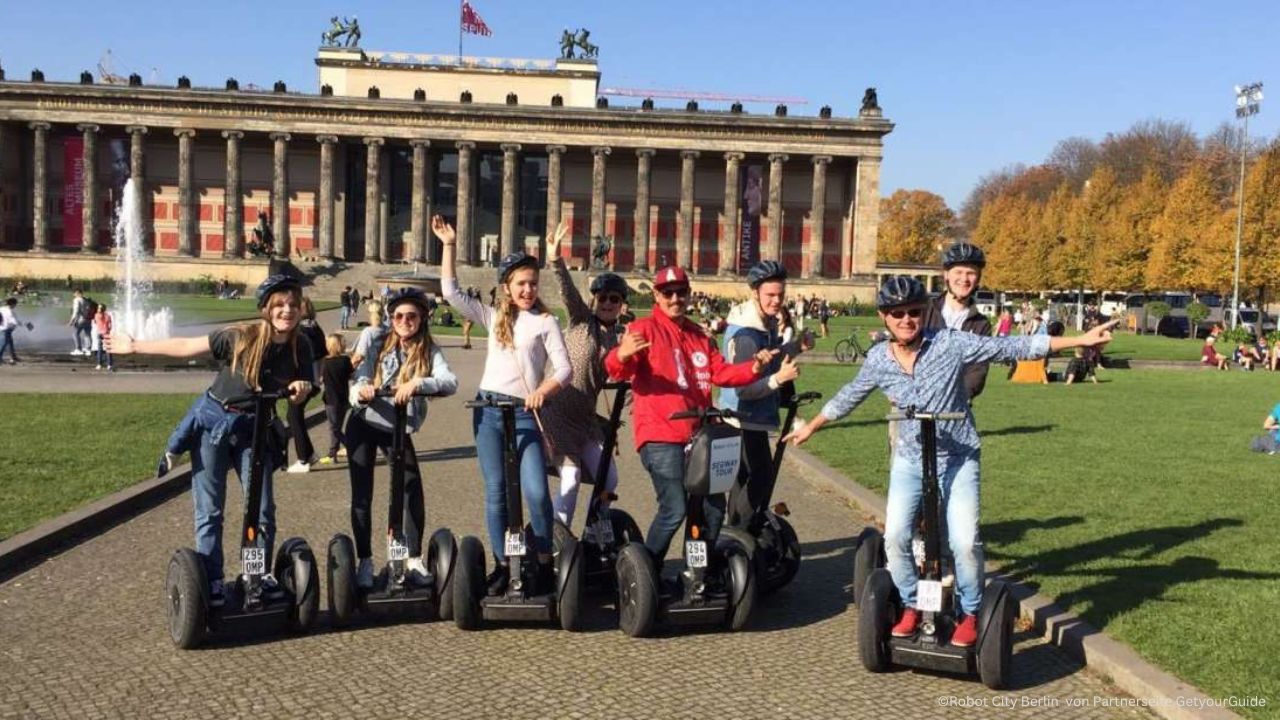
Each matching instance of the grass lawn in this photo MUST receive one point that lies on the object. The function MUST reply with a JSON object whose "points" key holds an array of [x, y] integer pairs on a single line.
{"points": [[187, 309], [1134, 502], [58, 452]]}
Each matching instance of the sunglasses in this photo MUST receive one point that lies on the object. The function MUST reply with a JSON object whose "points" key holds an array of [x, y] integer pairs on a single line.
{"points": [[406, 317], [900, 313], [612, 299], [680, 292]]}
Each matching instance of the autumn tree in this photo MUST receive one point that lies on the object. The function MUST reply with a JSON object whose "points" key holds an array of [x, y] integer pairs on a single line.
{"points": [[1188, 252], [1142, 204], [1259, 248], [913, 225]]}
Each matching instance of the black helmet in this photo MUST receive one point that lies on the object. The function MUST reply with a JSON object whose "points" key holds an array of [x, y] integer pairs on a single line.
{"points": [[610, 282], [963, 253], [899, 290], [764, 271], [410, 295], [513, 262], [274, 284]]}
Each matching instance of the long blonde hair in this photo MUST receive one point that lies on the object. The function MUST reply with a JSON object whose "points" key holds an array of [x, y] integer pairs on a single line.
{"points": [[504, 318], [253, 339], [417, 355]]}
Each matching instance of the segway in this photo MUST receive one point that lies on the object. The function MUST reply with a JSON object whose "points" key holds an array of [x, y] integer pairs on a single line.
{"points": [[721, 595], [606, 531], [471, 603], [394, 593], [930, 647], [292, 605], [777, 545]]}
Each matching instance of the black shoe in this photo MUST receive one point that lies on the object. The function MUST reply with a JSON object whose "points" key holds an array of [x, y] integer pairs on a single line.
{"points": [[498, 579], [165, 465]]}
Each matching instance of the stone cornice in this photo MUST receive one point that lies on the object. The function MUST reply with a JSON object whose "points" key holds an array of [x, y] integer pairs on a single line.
{"points": [[406, 119]]}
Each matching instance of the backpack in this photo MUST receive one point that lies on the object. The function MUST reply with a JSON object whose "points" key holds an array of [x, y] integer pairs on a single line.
{"points": [[88, 310]]}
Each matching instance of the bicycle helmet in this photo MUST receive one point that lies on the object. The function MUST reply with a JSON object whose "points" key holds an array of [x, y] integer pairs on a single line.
{"points": [[513, 262], [963, 253], [899, 290], [274, 284], [408, 295], [764, 271], [610, 282]]}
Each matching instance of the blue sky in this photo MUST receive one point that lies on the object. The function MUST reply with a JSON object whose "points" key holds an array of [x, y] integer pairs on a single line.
{"points": [[972, 86]]}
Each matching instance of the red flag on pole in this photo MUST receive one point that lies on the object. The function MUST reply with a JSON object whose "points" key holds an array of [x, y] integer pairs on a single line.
{"points": [[472, 22]]}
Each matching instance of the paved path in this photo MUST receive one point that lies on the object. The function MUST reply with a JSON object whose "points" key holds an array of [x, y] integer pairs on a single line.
{"points": [[83, 634]]}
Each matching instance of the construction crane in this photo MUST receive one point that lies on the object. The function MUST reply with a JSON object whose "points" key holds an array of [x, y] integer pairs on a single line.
{"points": [[699, 95], [106, 71]]}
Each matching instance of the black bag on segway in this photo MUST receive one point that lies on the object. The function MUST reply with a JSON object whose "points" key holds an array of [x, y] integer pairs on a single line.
{"points": [[711, 464]]}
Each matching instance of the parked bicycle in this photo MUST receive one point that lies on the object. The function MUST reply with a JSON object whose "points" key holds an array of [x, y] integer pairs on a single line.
{"points": [[850, 349]]}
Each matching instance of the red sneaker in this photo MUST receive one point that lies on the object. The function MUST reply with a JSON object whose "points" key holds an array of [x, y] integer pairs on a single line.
{"points": [[966, 633], [906, 626]]}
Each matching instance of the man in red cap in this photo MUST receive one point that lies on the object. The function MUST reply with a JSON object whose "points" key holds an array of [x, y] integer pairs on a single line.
{"points": [[672, 364]]}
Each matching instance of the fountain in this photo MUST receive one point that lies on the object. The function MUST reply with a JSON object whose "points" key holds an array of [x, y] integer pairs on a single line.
{"points": [[133, 286]]}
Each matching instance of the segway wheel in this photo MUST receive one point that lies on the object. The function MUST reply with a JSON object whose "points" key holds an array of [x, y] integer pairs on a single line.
{"points": [[296, 569], [342, 580], [866, 559], [468, 584], [637, 593], [625, 528], [995, 640], [875, 619], [742, 586], [441, 552], [569, 583], [186, 594], [779, 555]]}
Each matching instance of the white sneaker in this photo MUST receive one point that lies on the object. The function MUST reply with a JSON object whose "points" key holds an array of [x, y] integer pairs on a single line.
{"points": [[271, 587], [364, 573], [418, 574], [97, 367], [299, 467]]}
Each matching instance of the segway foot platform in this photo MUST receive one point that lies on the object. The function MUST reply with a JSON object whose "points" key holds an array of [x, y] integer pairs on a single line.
{"points": [[515, 607]]}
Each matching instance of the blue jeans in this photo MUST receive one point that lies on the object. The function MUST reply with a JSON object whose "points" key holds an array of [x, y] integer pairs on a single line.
{"points": [[487, 424], [82, 328], [345, 317], [104, 357], [7, 344], [959, 494], [224, 443], [187, 432], [665, 465]]}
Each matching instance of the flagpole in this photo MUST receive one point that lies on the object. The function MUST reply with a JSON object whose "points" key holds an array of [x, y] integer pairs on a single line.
{"points": [[460, 4]]}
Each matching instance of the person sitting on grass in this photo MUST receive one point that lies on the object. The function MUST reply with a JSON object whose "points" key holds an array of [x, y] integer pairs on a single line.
{"points": [[924, 369], [1245, 356], [1269, 441], [1210, 356], [1080, 369]]}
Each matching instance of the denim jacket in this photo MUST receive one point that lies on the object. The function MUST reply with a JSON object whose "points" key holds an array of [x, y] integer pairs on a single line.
{"points": [[381, 412]]}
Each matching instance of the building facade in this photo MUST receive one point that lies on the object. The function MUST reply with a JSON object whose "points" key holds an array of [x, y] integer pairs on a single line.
{"points": [[505, 149]]}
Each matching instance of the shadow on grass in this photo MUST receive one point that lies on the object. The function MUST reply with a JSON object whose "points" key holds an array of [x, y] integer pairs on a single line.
{"points": [[1019, 430], [1009, 532]]}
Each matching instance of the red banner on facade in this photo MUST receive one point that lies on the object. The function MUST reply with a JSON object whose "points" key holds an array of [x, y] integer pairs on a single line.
{"points": [[472, 22], [752, 202], [72, 191]]}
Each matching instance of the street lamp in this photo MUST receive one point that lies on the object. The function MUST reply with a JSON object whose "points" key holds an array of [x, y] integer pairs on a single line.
{"points": [[1248, 102]]}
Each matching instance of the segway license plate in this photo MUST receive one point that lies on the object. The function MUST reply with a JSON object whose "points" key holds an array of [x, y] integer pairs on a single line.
{"points": [[929, 596], [514, 544], [253, 560], [397, 550], [695, 553]]}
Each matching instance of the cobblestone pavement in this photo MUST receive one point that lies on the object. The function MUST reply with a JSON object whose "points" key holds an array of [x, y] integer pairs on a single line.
{"points": [[83, 633]]}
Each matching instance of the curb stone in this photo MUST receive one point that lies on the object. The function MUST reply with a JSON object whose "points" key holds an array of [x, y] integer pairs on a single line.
{"points": [[1083, 642]]}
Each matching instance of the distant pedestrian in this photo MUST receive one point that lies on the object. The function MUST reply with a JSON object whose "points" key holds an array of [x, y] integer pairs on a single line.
{"points": [[102, 323], [336, 373], [310, 332], [347, 307], [8, 323]]}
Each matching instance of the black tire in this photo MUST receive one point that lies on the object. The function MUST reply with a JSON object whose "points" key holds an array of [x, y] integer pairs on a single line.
{"points": [[995, 641], [569, 583], [845, 352], [442, 553], [866, 559], [468, 583], [876, 612], [742, 586], [186, 591], [559, 532], [637, 593], [341, 571], [779, 554], [625, 528], [296, 569]]}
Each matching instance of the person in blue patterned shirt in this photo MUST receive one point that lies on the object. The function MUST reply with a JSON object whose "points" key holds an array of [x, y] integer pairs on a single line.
{"points": [[924, 369]]}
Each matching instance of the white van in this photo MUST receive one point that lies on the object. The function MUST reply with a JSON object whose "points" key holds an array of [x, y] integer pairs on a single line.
{"points": [[1112, 304]]}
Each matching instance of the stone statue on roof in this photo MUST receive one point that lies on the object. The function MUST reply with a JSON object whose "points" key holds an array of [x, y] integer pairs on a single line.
{"points": [[338, 29], [566, 45], [869, 102]]}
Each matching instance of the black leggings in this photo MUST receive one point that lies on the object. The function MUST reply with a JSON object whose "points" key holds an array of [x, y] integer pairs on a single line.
{"points": [[754, 478], [298, 428], [335, 414], [363, 442]]}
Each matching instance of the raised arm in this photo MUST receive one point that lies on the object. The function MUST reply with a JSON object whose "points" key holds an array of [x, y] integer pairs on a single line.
{"points": [[119, 343], [573, 302], [469, 307]]}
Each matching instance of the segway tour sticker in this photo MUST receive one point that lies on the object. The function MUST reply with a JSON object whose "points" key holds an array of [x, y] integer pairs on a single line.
{"points": [[514, 544], [929, 596], [695, 553], [397, 550], [726, 453], [253, 560]]}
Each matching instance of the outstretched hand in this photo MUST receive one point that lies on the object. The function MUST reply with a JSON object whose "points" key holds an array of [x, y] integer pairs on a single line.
{"points": [[800, 433], [443, 230], [632, 343], [1099, 335], [762, 359], [553, 242], [118, 343]]}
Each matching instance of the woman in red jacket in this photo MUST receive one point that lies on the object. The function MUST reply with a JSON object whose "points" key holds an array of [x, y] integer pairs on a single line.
{"points": [[672, 364]]}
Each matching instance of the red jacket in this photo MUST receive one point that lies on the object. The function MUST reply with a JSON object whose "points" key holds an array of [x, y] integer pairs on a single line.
{"points": [[674, 373]]}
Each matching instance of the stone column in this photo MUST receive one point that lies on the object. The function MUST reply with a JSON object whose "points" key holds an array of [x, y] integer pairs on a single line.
{"points": [[684, 240], [466, 251], [138, 173], [89, 196], [280, 192], [817, 216], [554, 176], [186, 193], [373, 200], [325, 201], [773, 243], [232, 202], [510, 201], [599, 154], [732, 189], [420, 216], [640, 242], [866, 215], [40, 187]]}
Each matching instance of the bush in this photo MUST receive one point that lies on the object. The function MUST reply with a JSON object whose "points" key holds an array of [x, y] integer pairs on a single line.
{"points": [[1158, 309], [1197, 312], [1236, 335]]}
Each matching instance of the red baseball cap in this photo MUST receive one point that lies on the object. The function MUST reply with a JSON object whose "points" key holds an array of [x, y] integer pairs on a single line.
{"points": [[671, 275]]}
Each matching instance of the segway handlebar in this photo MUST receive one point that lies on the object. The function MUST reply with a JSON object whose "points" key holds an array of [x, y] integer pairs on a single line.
{"points": [[251, 396], [617, 385], [701, 414], [491, 402], [803, 398], [912, 414], [386, 392]]}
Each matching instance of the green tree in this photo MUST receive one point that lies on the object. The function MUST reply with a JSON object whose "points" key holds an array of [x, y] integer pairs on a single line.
{"points": [[913, 224]]}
